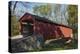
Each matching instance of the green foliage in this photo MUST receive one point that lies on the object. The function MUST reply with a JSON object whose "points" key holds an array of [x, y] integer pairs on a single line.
{"points": [[73, 15], [14, 26], [44, 10], [73, 18]]}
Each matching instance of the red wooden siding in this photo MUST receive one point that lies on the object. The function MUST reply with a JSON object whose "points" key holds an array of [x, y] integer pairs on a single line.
{"points": [[48, 30], [66, 31]]}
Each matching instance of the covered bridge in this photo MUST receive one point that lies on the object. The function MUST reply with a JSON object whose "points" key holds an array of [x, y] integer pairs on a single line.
{"points": [[33, 24]]}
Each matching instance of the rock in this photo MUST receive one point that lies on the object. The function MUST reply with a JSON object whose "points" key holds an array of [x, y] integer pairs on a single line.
{"points": [[17, 37]]}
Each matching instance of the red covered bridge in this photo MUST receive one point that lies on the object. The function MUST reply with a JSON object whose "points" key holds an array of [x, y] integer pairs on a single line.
{"points": [[49, 30]]}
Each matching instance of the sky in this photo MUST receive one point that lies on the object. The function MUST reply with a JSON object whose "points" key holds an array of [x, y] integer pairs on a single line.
{"points": [[23, 7]]}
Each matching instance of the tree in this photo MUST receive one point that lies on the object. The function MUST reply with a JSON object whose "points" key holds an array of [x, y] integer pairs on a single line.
{"points": [[57, 11], [73, 19], [43, 10], [52, 12], [14, 26], [73, 15], [14, 6], [14, 23]]}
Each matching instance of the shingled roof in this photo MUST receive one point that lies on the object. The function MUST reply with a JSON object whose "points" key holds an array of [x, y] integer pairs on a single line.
{"points": [[43, 19]]}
